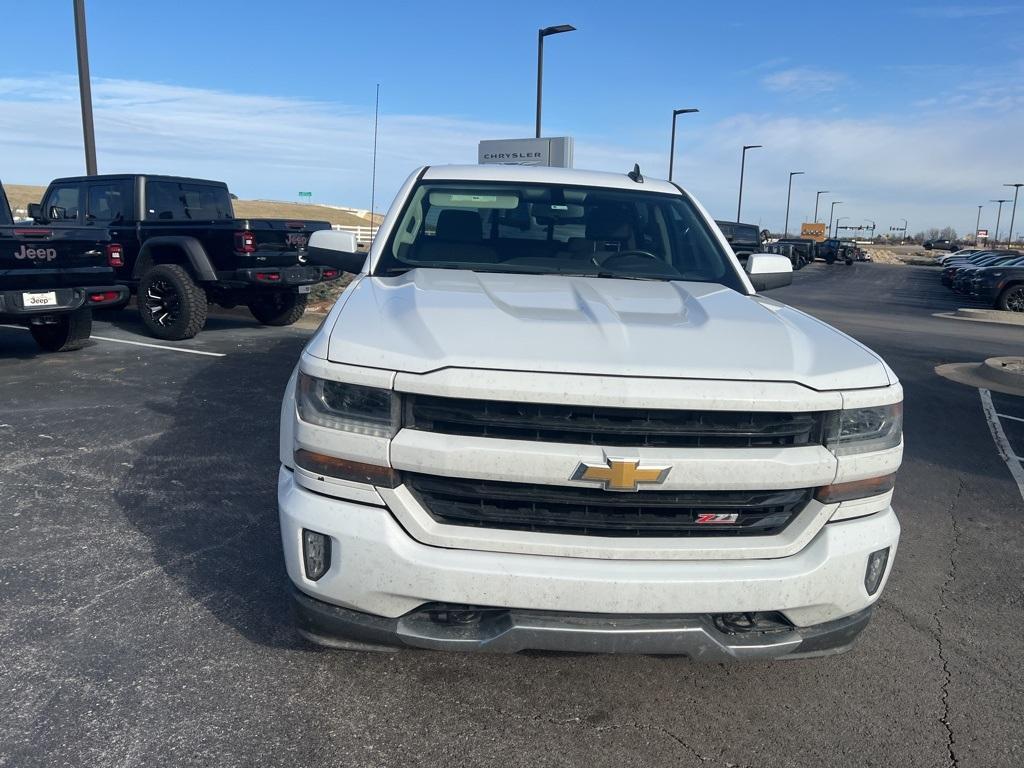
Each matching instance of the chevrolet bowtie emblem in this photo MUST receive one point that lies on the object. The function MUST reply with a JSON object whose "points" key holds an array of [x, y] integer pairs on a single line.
{"points": [[620, 474]]}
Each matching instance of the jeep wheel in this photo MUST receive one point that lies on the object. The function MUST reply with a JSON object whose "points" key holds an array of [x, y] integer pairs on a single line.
{"points": [[171, 305], [278, 308], [70, 332], [1012, 299]]}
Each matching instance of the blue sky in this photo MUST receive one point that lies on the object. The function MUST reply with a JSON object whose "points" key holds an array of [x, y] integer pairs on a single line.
{"points": [[909, 110]]}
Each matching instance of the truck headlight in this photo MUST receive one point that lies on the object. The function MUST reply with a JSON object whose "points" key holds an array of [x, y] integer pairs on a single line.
{"points": [[862, 430], [347, 407]]}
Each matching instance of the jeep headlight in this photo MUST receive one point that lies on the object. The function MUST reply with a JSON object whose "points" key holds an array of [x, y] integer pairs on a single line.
{"points": [[862, 430], [347, 407]]}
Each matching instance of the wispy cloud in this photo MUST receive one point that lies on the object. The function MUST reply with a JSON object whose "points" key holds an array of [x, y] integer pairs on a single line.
{"points": [[962, 11], [805, 80], [929, 168]]}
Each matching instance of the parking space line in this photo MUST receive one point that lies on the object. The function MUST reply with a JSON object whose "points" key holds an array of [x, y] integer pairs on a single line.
{"points": [[137, 343], [1008, 416], [1006, 452]]}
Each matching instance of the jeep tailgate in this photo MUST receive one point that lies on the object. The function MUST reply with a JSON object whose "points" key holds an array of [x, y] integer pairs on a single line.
{"points": [[283, 241], [52, 256]]}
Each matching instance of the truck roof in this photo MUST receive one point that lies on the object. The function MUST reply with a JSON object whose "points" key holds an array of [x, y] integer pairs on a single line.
{"points": [[131, 176], [545, 175]]}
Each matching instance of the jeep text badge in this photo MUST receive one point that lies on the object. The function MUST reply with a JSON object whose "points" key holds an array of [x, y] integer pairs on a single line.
{"points": [[620, 474]]}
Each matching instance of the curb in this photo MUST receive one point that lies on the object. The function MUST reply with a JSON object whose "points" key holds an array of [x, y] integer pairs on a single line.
{"points": [[984, 316], [1000, 374]]}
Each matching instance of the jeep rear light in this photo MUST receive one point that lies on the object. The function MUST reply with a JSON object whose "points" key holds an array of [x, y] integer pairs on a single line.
{"points": [[268, 277], [115, 255], [99, 296], [330, 274], [245, 242]]}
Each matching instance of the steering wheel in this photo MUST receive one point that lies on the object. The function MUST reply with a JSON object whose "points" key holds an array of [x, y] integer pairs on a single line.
{"points": [[619, 254]]}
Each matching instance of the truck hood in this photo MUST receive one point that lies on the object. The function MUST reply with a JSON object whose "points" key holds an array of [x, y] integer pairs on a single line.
{"points": [[428, 319]]}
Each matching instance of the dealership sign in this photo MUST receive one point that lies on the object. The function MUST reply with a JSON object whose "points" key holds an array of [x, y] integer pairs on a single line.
{"points": [[554, 152], [983, 233]]}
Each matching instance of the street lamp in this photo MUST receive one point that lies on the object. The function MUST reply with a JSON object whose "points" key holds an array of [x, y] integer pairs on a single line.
{"points": [[831, 213], [977, 226], [1013, 215], [904, 230], [743, 163], [672, 150], [998, 217], [817, 197], [541, 34], [837, 224], [85, 89], [789, 194]]}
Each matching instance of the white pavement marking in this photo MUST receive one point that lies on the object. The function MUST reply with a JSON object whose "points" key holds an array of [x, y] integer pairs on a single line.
{"points": [[1008, 416], [160, 346], [1013, 462], [137, 343]]}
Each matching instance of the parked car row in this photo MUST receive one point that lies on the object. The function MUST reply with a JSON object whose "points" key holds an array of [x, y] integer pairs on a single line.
{"points": [[174, 242], [995, 277], [746, 239]]}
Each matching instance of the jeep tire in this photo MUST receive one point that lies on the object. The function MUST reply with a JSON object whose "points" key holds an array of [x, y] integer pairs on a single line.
{"points": [[278, 307], [70, 332], [171, 305]]}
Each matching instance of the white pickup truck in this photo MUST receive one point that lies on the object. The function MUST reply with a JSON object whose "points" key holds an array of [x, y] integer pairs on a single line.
{"points": [[552, 412]]}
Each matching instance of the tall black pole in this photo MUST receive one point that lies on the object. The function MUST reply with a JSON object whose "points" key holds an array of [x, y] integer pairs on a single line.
{"points": [[789, 194], [672, 150], [999, 216], [743, 163], [1013, 215], [540, 74], [977, 226], [85, 88], [831, 213], [817, 197]]}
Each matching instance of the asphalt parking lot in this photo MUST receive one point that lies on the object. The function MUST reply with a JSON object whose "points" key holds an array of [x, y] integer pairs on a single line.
{"points": [[144, 594]]}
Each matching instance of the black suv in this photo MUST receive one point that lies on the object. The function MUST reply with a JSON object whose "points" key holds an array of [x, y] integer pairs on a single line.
{"points": [[183, 248], [745, 239], [941, 245]]}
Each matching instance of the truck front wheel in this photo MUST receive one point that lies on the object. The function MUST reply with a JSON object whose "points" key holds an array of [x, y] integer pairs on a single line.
{"points": [[1012, 299], [68, 333], [171, 305], [278, 308]]}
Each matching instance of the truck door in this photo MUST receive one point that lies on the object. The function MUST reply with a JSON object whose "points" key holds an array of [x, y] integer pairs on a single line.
{"points": [[109, 205]]}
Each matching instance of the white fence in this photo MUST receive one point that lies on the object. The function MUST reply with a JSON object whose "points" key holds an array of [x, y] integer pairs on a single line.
{"points": [[364, 235]]}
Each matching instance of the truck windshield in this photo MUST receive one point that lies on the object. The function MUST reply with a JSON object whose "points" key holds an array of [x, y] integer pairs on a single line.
{"points": [[555, 229]]}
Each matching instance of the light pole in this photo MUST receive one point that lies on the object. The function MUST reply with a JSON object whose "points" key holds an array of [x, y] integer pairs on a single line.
{"points": [[743, 164], [672, 150], [817, 197], [904, 230], [1013, 214], [977, 226], [837, 224], [872, 228], [831, 213], [998, 217], [789, 194], [541, 34], [85, 88]]}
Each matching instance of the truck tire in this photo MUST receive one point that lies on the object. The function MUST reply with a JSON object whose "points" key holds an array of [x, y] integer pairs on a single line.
{"points": [[278, 308], [70, 332], [171, 305], [1012, 299]]}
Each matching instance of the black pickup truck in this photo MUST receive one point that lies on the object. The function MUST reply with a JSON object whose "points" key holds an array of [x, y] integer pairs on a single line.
{"points": [[52, 277], [184, 248]]}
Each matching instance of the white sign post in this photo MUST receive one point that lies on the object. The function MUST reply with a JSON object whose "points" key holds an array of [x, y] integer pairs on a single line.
{"points": [[553, 152]]}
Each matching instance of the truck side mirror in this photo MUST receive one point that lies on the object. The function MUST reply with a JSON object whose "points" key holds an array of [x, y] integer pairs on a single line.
{"points": [[769, 270], [35, 211], [332, 248]]}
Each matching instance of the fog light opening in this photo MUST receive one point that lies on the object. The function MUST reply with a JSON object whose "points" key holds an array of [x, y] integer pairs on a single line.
{"points": [[316, 554], [875, 570], [752, 622]]}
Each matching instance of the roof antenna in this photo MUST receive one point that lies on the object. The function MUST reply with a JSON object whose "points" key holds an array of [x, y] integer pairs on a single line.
{"points": [[635, 174]]}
